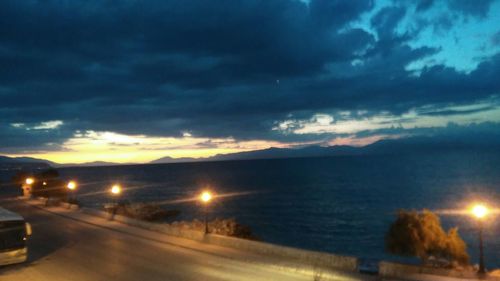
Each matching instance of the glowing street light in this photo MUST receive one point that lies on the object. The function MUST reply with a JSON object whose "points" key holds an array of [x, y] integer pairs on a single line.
{"points": [[205, 198], [116, 189], [480, 212], [30, 181], [71, 185], [71, 197]]}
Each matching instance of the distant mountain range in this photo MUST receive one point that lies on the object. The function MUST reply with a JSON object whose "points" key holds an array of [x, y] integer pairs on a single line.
{"points": [[269, 153], [24, 163], [89, 164], [414, 145], [35, 163]]}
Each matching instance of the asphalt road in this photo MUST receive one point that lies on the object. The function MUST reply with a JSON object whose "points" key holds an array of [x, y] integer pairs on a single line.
{"points": [[66, 249]]}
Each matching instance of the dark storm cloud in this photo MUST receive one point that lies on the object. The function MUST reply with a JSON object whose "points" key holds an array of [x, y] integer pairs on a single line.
{"points": [[194, 43], [445, 13], [484, 133], [214, 68], [449, 112], [495, 39], [23, 140], [335, 13], [424, 5], [477, 8]]}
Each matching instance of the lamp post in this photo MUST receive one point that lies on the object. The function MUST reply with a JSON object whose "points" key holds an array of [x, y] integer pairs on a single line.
{"points": [[115, 191], [206, 197], [27, 187], [71, 192], [480, 212], [71, 185]]}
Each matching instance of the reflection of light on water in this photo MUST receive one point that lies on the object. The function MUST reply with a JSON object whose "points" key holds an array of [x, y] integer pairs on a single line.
{"points": [[122, 189], [197, 198], [457, 212], [473, 205], [129, 186], [92, 183]]}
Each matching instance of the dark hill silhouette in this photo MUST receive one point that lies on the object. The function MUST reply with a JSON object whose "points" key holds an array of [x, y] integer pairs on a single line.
{"points": [[412, 145]]}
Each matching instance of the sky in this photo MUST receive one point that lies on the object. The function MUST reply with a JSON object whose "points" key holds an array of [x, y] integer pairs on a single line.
{"points": [[133, 81]]}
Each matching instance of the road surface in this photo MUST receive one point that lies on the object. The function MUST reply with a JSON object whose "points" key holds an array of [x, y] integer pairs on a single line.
{"points": [[63, 248]]}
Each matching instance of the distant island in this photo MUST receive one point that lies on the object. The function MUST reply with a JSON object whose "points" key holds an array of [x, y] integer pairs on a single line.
{"points": [[413, 145]]}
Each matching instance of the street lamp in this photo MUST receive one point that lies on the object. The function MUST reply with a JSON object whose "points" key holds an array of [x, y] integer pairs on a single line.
{"points": [[480, 212], [71, 185], [205, 198], [27, 186], [116, 190], [72, 188]]}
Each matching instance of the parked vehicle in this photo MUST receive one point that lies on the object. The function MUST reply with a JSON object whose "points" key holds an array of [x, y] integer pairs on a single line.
{"points": [[14, 231]]}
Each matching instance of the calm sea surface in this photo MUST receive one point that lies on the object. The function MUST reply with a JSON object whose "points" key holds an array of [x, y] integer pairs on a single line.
{"points": [[341, 205]]}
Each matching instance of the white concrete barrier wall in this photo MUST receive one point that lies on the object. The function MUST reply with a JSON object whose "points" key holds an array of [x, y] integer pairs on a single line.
{"points": [[308, 257], [313, 258], [158, 227]]}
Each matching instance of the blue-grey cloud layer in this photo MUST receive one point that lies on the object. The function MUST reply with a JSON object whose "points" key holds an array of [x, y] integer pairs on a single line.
{"points": [[214, 68]]}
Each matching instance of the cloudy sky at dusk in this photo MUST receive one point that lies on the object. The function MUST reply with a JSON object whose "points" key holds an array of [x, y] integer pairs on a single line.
{"points": [[132, 81]]}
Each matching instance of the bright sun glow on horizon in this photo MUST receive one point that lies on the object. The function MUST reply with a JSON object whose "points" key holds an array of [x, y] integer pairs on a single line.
{"points": [[119, 148]]}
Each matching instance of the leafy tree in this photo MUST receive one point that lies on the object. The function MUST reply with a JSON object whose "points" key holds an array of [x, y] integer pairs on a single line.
{"points": [[421, 235], [49, 174], [48, 184], [19, 178], [456, 249]]}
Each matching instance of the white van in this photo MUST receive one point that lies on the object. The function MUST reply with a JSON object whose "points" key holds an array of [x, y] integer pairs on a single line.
{"points": [[14, 232]]}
